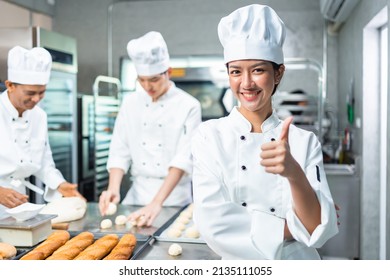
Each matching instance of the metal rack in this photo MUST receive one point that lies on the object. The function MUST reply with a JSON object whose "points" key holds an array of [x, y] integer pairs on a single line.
{"points": [[107, 96], [312, 117]]}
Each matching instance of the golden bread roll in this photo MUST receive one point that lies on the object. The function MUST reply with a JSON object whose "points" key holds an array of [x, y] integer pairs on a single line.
{"points": [[7, 251], [73, 247], [47, 247], [124, 249], [100, 248]]}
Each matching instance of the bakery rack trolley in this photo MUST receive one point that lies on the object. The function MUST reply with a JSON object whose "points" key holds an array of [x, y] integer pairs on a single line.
{"points": [[107, 98]]}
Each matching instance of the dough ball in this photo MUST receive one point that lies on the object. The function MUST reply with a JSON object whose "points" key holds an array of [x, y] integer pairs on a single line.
{"points": [[175, 249], [111, 210], [192, 232], [120, 220], [174, 232], [183, 220], [7, 251], [179, 226], [106, 223], [186, 214]]}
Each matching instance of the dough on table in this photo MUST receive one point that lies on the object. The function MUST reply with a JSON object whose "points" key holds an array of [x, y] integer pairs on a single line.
{"points": [[106, 223], [120, 220], [67, 209], [183, 220], [192, 232], [179, 226], [111, 209], [186, 213], [175, 249], [174, 232]]}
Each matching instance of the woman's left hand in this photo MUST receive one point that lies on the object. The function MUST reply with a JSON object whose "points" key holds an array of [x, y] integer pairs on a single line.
{"points": [[146, 215], [68, 189]]}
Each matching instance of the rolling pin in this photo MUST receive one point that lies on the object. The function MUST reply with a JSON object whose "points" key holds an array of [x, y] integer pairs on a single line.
{"points": [[63, 226]]}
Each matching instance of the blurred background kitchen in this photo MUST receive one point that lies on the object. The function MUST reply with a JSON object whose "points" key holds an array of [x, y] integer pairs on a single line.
{"points": [[336, 85]]}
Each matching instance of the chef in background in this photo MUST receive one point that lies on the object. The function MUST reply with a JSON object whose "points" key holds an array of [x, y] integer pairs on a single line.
{"points": [[152, 136], [24, 146], [260, 190]]}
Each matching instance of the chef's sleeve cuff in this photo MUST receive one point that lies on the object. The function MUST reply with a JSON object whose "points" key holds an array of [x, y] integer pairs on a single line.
{"points": [[118, 163], [323, 232]]}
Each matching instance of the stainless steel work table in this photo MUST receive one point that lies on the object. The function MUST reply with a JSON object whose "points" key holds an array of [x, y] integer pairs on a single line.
{"points": [[92, 219], [150, 245]]}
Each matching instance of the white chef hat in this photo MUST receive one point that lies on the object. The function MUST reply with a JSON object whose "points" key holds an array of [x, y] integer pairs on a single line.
{"points": [[252, 32], [149, 54], [29, 67]]}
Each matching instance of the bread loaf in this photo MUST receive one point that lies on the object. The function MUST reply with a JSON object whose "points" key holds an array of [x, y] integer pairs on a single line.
{"points": [[124, 248], [7, 251], [100, 248], [73, 247], [47, 247]]}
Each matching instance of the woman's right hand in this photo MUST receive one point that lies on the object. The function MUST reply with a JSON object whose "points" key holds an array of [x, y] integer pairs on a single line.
{"points": [[105, 198], [11, 198]]}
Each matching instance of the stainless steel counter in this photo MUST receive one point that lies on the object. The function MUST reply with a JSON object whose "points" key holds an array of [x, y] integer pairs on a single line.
{"points": [[92, 219], [149, 246], [158, 250]]}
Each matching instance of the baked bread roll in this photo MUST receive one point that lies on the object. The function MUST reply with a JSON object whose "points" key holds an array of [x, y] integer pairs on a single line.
{"points": [[47, 247], [7, 251], [73, 247], [100, 248], [124, 249]]}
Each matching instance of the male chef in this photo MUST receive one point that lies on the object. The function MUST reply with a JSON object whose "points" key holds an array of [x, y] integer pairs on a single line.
{"points": [[24, 146], [152, 136]]}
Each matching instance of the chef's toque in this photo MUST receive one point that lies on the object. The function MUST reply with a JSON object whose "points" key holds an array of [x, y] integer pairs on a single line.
{"points": [[149, 54], [29, 67], [252, 32]]}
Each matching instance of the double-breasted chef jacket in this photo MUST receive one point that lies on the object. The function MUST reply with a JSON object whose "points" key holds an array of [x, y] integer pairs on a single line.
{"points": [[149, 137], [25, 150], [239, 208]]}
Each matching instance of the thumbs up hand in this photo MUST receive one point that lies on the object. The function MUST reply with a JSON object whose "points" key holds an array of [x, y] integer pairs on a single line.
{"points": [[275, 156]]}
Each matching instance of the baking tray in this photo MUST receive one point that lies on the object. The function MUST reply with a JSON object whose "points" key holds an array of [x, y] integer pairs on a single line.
{"points": [[156, 249], [162, 233], [141, 243]]}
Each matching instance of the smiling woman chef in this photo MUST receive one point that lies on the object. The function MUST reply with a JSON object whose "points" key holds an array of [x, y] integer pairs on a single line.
{"points": [[25, 150], [276, 205]]}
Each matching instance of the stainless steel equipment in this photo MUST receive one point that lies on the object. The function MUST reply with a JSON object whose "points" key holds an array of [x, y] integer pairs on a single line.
{"points": [[60, 102]]}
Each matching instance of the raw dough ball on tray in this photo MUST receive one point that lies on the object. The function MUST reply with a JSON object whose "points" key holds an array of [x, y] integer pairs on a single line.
{"points": [[174, 232], [192, 232], [120, 220], [106, 223], [175, 249], [179, 226]]}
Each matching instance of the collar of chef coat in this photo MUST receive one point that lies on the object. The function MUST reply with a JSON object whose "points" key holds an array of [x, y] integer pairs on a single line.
{"points": [[243, 125], [170, 92], [13, 113]]}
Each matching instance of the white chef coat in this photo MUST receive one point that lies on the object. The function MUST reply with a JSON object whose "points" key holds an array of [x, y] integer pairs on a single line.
{"points": [[25, 150], [239, 208], [151, 137]]}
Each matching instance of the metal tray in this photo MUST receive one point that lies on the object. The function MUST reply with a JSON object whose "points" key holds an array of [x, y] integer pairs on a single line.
{"points": [[158, 250], [162, 233], [141, 243]]}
